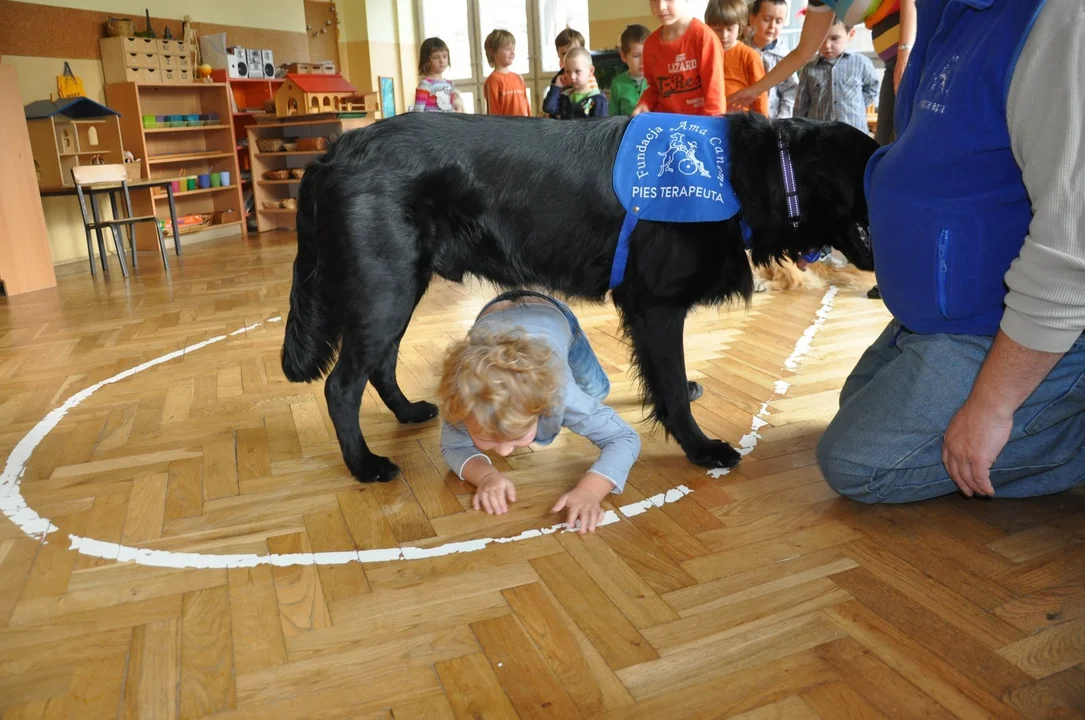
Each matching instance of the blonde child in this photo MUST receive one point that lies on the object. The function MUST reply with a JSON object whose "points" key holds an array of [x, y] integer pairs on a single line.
{"points": [[742, 64], [567, 40], [434, 93], [683, 63], [767, 18], [627, 87], [523, 373], [505, 91], [579, 99]]}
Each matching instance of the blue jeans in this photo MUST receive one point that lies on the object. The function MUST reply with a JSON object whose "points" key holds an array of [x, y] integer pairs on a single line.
{"points": [[587, 373], [885, 444]]}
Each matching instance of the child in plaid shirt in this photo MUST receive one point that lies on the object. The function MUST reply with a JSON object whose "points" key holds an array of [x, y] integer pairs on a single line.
{"points": [[838, 85]]}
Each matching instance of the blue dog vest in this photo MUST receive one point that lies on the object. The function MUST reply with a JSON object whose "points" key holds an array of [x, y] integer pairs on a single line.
{"points": [[672, 168]]}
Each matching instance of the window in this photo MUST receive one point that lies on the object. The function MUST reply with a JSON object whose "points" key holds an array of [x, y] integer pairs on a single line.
{"points": [[511, 16], [553, 17], [464, 25], [447, 19]]}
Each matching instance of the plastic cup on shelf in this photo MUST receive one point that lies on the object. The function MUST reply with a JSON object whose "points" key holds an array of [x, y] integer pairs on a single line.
{"points": [[191, 183], [216, 179], [225, 178], [175, 186], [204, 180]]}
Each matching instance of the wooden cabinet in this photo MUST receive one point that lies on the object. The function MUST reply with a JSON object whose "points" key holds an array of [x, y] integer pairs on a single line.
{"points": [[26, 262], [181, 151], [270, 192]]}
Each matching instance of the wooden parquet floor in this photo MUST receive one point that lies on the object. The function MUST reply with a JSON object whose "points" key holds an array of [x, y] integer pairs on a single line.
{"points": [[759, 595]]}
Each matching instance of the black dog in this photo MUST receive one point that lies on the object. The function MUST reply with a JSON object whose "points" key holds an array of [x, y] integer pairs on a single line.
{"points": [[529, 203]]}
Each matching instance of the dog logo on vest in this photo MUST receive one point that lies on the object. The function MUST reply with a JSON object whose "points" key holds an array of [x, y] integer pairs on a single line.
{"points": [[689, 164], [934, 98]]}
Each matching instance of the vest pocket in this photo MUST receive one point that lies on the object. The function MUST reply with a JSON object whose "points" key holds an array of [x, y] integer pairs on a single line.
{"points": [[941, 273]]}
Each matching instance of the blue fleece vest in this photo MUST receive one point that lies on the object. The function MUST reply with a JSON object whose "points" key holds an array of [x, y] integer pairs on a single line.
{"points": [[948, 206]]}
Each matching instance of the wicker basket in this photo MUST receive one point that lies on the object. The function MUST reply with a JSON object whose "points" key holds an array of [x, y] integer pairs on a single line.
{"points": [[270, 204], [297, 173], [290, 204], [314, 143], [119, 27], [290, 146], [269, 145], [277, 175]]}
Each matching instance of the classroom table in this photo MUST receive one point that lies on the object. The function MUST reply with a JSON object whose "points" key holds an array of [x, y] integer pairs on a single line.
{"points": [[112, 189]]}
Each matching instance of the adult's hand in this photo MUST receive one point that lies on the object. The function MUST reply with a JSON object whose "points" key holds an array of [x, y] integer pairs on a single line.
{"points": [[741, 100], [971, 445], [981, 428]]}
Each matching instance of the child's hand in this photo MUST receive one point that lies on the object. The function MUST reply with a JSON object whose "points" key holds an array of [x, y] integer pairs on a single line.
{"points": [[639, 109], [583, 505], [493, 494], [561, 81]]}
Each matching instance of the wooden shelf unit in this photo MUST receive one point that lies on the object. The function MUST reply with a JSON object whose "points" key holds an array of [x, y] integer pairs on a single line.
{"points": [[261, 162], [179, 152], [247, 96]]}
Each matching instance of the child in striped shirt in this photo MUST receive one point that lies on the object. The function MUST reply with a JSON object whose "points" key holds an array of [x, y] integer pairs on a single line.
{"points": [[434, 93]]}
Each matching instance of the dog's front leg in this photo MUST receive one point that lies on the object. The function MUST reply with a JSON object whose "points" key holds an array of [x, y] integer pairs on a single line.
{"points": [[656, 333]]}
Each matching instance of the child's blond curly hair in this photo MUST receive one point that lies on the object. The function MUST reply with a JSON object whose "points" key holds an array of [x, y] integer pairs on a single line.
{"points": [[503, 382]]}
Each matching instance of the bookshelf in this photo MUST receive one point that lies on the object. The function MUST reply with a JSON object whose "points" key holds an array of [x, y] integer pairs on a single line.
{"points": [[268, 192], [249, 99], [181, 152]]}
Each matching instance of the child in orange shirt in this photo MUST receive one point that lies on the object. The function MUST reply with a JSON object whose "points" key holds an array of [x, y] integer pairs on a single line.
{"points": [[683, 63], [506, 93], [742, 65]]}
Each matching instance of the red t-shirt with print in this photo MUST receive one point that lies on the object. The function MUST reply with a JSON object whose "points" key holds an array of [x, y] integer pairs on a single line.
{"points": [[685, 76]]}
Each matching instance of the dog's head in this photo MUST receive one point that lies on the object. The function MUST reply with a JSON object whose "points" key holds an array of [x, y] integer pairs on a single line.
{"points": [[829, 161]]}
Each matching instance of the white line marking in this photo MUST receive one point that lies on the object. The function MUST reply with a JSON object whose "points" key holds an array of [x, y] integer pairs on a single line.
{"points": [[802, 347], [37, 527]]}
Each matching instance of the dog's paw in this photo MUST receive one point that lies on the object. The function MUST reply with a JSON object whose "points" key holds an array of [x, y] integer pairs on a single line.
{"points": [[760, 285], [418, 412], [714, 454], [375, 469]]}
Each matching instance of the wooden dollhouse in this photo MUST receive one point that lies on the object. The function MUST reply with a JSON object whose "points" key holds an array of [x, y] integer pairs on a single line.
{"points": [[70, 132], [312, 95]]}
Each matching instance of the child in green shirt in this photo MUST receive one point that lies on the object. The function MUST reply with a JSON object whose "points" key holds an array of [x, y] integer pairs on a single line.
{"points": [[626, 88]]}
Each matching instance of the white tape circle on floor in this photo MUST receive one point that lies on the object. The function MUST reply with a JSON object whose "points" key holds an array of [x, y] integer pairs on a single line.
{"points": [[35, 526]]}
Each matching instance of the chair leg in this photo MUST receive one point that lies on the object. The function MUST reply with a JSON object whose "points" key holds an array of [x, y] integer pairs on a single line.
{"points": [[101, 252], [118, 243], [162, 246], [128, 228], [132, 243], [98, 231], [90, 251]]}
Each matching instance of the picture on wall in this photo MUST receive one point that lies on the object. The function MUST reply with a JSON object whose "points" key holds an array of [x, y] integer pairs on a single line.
{"points": [[388, 96]]}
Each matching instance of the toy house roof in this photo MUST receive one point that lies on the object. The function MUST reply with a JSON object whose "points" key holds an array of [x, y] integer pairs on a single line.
{"points": [[75, 108], [321, 83]]}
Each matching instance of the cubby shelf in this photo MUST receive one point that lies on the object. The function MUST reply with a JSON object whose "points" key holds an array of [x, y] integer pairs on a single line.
{"points": [[260, 162], [180, 151]]}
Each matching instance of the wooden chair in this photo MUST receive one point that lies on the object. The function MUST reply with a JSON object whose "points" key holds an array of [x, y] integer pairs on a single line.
{"points": [[110, 178]]}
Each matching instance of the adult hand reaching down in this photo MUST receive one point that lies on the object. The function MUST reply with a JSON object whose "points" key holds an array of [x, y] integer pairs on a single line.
{"points": [[981, 428]]}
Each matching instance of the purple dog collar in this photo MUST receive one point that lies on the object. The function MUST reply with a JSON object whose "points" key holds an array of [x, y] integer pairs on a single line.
{"points": [[791, 188]]}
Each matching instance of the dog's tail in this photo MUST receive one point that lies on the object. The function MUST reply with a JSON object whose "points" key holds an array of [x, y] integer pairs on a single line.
{"points": [[313, 328]]}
